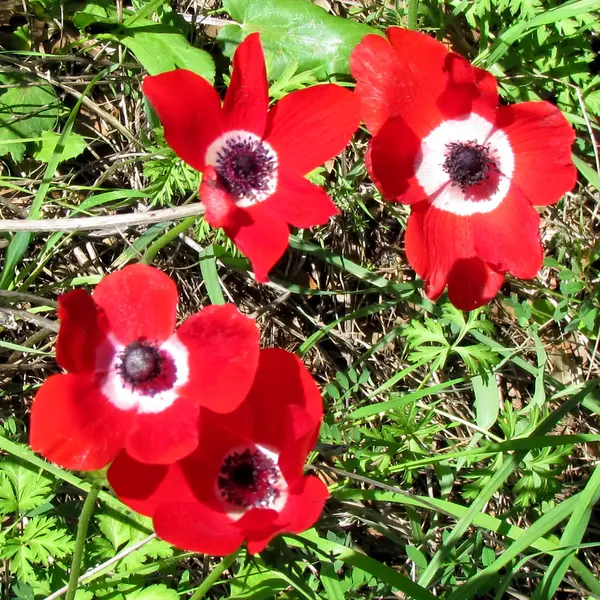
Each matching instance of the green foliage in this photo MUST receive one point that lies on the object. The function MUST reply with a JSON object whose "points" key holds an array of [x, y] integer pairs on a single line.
{"points": [[170, 178], [537, 477], [41, 542], [22, 488], [154, 592], [29, 541], [291, 79], [26, 110], [118, 533], [160, 48], [435, 340], [74, 146], [451, 416], [294, 32]]}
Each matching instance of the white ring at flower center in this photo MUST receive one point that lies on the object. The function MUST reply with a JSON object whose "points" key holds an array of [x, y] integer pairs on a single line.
{"points": [[240, 135], [430, 173], [123, 395]]}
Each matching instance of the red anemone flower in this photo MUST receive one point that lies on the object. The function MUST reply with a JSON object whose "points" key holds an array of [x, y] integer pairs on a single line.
{"points": [[470, 170], [133, 381], [254, 159], [245, 480]]}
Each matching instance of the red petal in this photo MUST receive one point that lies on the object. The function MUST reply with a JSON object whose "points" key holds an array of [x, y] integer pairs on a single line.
{"points": [[440, 247], [300, 203], [541, 139], [145, 487], [190, 111], [392, 164], [247, 99], [282, 384], [218, 434], [166, 436], [375, 66], [83, 327], [472, 283], [310, 126], [404, 78], [468, 90], [302, 510], [140, 302], [74, 425], [261, 236], [434, 241], [508, 238], [219, 206], [223, 347], [196, 527]]}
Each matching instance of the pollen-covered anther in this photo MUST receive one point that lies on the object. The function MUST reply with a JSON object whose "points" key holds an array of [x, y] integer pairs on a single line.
{"points": [[246, 166], [249, 478], [140, 362], [468, 163]]}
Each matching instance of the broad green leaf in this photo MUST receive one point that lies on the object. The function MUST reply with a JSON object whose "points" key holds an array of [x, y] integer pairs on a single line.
{"points": [[294, 31], [26, 110], [416, 556], [74, 145], [154, 592], [115, 531], [254, 580], [95, 11], [161, 48], [487, 400]]}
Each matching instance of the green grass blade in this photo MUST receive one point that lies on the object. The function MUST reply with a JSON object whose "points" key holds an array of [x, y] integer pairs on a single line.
{"points": [[497, 480], [375, 568], [20, 241], [482, 520], [208, 268], [373, 409], [572, 535], [506, 39]]}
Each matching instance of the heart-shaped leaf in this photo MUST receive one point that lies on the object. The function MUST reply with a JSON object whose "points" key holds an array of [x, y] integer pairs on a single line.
{"points": [[161, 48], [295, 31]]}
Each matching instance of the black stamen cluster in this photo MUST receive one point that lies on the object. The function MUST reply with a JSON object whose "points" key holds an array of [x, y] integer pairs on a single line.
{"points": [[245, 166], [468, 163], [140, 362], [248, 479]]}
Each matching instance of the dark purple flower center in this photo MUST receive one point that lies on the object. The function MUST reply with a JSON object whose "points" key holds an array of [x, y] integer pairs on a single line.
{"points": [[147, 368], [468, 163], [248, 479], [245, 166], [140, 362]]}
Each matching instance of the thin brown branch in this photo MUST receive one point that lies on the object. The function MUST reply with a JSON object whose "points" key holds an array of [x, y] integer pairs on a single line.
{"points": [[110, 222], [41, 322]]}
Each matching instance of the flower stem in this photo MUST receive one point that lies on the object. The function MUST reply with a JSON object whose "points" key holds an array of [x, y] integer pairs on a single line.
{"points": [[212, 577], [82, 527], [413, 9], [164, 239]]}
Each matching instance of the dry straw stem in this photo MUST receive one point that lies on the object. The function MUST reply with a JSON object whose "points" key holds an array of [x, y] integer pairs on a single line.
{"points": [[96, 223]]}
